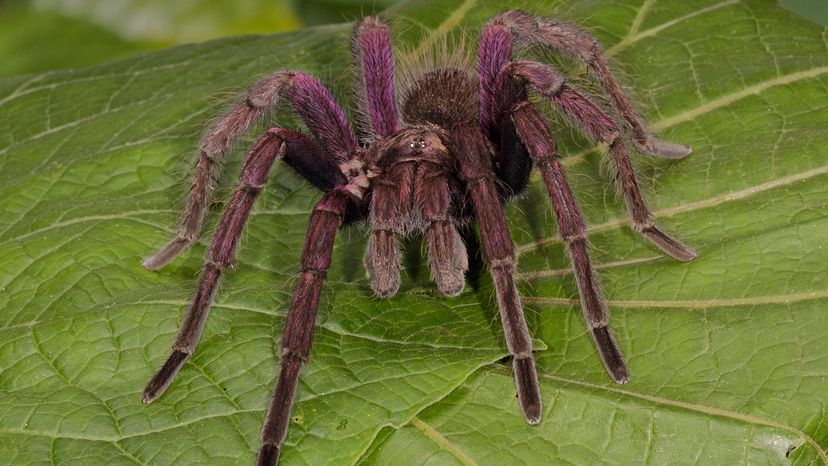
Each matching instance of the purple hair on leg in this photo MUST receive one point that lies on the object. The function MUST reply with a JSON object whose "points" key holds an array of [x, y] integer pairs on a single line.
{"points": [[375, 63], [318, 109], [535, 133], [495, 52]]}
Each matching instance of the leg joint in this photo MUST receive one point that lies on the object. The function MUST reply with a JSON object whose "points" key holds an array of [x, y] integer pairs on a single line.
{"points": [[477, 178], [382, 226], [316, 272], [265, 92], [611, 135], [573, 237], [295, 354], [254, 188], [507, 262], [218, 265], [208, 156], [646, 225]]}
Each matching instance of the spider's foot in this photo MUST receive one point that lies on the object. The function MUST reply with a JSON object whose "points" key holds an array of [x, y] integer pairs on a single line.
{"points": [[166, 254], [161, 380], [667, 150], [385, 286], [450, 282], [268, 456], [526, 379], [610, 354], [382, 265], [669, 245]]}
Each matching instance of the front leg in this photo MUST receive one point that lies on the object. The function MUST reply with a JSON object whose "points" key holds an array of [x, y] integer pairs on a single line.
{"points": [[220, 256], [311, 100]]}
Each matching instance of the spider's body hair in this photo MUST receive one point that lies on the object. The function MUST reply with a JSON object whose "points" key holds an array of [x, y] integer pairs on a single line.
{"points": [[461, 144], [444, 53], [444, 97]]}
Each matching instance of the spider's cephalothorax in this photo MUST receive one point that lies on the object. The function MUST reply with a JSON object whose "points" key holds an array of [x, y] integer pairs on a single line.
{"points": [[461, 144]]}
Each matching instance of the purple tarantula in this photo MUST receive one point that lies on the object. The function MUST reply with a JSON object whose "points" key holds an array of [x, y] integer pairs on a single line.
{"points": [[459, 146]]}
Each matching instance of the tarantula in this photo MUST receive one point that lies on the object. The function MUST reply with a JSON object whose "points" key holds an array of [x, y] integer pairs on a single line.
{"points": [[459, 146]]}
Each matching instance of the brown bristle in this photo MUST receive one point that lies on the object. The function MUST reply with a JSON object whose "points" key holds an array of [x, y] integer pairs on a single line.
{"points": [[444, 97]]}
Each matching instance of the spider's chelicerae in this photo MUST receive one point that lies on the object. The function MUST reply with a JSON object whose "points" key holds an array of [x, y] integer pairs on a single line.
{"points": [[450, 148]]}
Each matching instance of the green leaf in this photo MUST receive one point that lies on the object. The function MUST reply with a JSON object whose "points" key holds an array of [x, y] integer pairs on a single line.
{"points": [[177, 22], [728, 354], [33, 41]]}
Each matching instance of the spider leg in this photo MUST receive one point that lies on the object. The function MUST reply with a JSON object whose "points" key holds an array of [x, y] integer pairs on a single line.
{"points": [[495, 52], [550, 84], [299, 153], [469, 147], [447, 255], [311, 100], [327, 216], [374, 64], [535, 133], [584, 47]]}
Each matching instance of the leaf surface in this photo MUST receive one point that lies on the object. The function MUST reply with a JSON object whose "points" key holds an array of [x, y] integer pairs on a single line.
{"points": [[728, 354]]}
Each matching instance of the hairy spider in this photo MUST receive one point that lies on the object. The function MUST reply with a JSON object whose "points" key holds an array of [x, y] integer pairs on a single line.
{"points": [[460, 146]]}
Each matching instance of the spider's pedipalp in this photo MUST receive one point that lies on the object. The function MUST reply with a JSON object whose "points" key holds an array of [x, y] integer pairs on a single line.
{"points": [[535, 133], [583, 46], [411, 193], [447, 255], [468, 145], [374, 65], [382, 261], [309, 98]]}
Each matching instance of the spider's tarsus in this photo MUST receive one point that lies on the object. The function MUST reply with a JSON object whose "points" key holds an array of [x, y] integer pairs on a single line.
{"points": [[162, 379], [667, 150], [669, 245], [165, 255], [610, 354], [268, 455], [526, 379]]}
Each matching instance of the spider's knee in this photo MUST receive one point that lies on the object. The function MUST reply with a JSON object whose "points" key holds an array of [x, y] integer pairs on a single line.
{"points": [[516, 20], [265, 92], [611, 136], [370, 22]]}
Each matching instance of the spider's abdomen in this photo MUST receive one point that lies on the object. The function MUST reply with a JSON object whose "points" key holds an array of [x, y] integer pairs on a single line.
{"points": [[443, 97]]}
